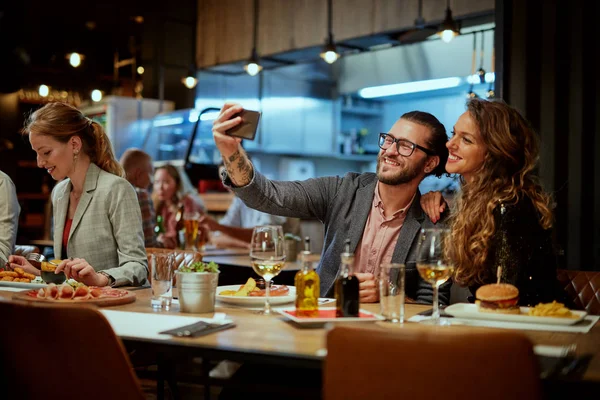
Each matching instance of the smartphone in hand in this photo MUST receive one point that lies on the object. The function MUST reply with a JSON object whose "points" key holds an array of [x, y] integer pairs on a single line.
{"points": [[247, 128]]}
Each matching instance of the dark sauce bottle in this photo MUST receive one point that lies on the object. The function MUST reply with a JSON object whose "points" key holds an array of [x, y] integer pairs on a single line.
{"points": [[346, 286]]}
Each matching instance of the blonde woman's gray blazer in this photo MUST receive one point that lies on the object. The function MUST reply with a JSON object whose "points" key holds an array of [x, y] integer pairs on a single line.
{"points": [[107, 227]]}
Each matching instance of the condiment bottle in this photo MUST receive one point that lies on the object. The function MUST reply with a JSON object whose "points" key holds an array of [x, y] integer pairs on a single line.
{"points": [[346, 286], [307, 284]]}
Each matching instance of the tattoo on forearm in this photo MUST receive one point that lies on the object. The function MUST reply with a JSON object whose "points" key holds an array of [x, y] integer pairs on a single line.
{"points": [[240, 173]]}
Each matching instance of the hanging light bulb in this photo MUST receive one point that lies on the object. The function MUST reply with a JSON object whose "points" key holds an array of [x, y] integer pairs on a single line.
{"points": [[329, 53], [253, 67], [96, 95], [189, 81], [44, 90], [140, 70], [449, 28], [75, 59]]}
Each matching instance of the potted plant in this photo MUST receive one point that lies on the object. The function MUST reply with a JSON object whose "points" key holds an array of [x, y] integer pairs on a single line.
{"points": [[197, 286]]}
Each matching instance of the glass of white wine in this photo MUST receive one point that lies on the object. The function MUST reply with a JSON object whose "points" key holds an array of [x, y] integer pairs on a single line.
{"points": [[267, 251], [433, 264]]}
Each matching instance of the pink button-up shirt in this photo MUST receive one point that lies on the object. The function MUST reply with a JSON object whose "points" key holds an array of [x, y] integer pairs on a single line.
{"points": [[379, 237]]}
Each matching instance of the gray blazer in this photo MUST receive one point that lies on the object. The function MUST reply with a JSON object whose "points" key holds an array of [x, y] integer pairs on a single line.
{"points": [[9, 217], [107, 226], [342, 205]]}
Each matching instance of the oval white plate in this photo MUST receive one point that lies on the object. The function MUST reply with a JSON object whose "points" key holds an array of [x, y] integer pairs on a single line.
{"points": [[469, 311], [254, 300]]}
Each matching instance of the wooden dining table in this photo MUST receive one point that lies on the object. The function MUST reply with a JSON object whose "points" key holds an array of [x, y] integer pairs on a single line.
{"points": [[274, 339]]}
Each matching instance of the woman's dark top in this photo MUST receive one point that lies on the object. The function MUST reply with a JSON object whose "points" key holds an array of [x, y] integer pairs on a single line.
{"points": [[524, 250]]}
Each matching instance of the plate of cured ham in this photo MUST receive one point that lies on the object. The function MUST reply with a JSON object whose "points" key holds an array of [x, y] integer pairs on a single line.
{"points": [[65, 293]]}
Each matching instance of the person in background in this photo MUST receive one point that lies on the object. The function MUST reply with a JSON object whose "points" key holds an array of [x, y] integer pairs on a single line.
{"points": [[235, 228], [140, 173], [97, 220], [9, 217], [502, 217], [170, 203], [380, 213]]}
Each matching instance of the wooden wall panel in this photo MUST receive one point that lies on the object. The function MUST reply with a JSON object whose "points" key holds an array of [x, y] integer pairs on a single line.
{"points": [[225, 27], [224, 31], [352, 18]]}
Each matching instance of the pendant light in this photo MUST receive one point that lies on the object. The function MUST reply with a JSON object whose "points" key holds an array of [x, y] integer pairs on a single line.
{"points": [[329, 53], [481, 71], [449, 28], [471, 94], [190, 81], [253, 66], [491, 93]]}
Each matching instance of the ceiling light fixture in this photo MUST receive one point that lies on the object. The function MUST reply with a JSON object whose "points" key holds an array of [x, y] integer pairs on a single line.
{"points": [[449, 28], [140, 70], [329, 53], [189, 81], [75, 59], [409, 87], [253, 66], [44, 90], [96, 95]]}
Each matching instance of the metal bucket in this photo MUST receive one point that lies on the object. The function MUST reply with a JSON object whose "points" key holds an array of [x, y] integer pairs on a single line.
{"points": [[197, 291]]}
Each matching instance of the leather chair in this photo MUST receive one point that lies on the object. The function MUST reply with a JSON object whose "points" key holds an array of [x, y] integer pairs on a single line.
{"points": [[182, 257], [63, 351], [416, 362], [583, 288]]}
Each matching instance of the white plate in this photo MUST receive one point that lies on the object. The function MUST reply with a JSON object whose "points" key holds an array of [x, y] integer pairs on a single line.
{"points": [[469, 311], [254, 300], [24, 285], [365, 316]]}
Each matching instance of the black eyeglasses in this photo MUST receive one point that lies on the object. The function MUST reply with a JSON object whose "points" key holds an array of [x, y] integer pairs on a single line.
{"points": [[405, 147]]}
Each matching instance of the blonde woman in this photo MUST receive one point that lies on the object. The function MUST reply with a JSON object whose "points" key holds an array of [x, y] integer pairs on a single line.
{"points": [[97, 220], [502, 217]]}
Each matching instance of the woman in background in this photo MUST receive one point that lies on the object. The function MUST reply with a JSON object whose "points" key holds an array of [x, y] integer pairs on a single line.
{"points": [[97, 221], [170, 203], [502, 217]]}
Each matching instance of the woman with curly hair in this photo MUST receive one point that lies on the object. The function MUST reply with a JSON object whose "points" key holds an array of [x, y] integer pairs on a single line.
{"points": [[502, 216]]}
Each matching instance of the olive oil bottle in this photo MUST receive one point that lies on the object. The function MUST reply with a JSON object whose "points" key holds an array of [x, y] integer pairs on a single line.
{"points": [[346, 286], [307, 284]]}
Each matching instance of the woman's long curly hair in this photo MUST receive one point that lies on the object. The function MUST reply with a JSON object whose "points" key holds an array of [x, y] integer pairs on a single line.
{"points": [[176, 199], [63, 121], [506, 176]]}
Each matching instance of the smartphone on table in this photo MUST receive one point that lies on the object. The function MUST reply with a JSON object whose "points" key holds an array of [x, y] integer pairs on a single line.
{"points": [[247, 128]]}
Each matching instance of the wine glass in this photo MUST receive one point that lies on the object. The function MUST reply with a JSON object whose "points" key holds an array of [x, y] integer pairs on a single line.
{"points": [[433, 264], [267, 251]]}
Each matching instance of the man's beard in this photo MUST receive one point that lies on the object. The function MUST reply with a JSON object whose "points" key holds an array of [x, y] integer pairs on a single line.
{"points": [[404, 175]]}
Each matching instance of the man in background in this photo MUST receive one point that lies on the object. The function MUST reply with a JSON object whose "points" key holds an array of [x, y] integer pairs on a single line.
{"points": [[139, 172], [9, 217]]}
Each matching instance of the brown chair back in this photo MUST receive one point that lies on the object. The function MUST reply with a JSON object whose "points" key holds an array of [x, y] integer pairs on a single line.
{"points": [[417, 362], [59, 351], [182, 257], [583, 288]]}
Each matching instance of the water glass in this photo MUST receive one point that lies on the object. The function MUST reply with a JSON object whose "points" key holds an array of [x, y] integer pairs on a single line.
{"points": [[391, 291], [163, 267]]}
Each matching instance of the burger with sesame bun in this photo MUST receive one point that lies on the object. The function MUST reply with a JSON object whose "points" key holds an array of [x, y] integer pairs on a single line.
{"points": [[502, 298]]}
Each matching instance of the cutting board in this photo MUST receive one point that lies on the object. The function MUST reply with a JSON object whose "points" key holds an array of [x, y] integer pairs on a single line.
{"points": [[105, 302]]}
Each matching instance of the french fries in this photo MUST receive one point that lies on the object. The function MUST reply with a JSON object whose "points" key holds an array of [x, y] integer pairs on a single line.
{"points": [[553, 309]]}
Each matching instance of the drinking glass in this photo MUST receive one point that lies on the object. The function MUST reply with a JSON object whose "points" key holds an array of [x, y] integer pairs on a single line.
{"points": [[267, 251], [391, 292], [163, 267], [433, 264], [191, 221]]}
